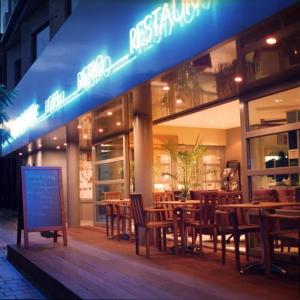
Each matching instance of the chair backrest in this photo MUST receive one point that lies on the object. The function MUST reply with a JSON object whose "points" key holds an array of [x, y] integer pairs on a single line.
{"points": [[158, 197], [112, 195], [137, 209], [265, 195], [197, 194], [232, 198], [208, 202], [285, 194]]}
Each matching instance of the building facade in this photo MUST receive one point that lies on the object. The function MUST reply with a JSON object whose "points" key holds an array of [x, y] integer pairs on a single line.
{"points": [[105, 94]]}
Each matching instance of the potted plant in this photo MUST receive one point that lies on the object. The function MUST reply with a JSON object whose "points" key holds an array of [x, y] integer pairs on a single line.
{"points": [[188, 166], [6, 98]]}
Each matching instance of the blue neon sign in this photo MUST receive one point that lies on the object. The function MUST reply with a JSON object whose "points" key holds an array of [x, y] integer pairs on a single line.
{"points": [[155, 26]]}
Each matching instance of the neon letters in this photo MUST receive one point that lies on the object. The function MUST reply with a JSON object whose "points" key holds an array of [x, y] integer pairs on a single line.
{"points": [[25, 121], [93, 72], [152, 29], [54, 102], [161, 21]]}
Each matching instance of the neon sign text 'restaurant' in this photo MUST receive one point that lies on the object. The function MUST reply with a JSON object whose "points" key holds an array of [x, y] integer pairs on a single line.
{"points": [[152, 29], [161, 21]]}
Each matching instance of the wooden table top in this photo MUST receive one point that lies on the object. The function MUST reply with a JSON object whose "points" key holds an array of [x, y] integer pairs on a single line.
{"points": [[260, 205], [116, 201], [180, 203]]}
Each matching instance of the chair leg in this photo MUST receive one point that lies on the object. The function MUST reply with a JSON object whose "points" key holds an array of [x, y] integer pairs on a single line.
{"points": [[147, 242], [215, 237], [112, 225], [130, 229], [194, 236], [164, 239], [223, 241], [107, 226], [200, 241], [136, 232], [158, 239], [237, 251], [247, 246]]}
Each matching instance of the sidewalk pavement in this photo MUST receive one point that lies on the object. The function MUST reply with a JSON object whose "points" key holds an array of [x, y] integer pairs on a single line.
{"points": [[13, 285]]}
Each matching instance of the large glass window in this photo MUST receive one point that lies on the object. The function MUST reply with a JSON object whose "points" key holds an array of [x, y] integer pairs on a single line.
{"points": [[206, 78], [40, 41], [276, 109], [272, 47], [109, 150], [113, 118], [276, 150]]}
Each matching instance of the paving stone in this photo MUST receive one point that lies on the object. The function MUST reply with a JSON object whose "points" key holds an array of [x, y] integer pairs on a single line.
{"points": [[13, 285]]}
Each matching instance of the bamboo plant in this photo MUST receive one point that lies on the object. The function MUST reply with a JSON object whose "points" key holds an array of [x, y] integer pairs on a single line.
{"points": [[188, 166]]}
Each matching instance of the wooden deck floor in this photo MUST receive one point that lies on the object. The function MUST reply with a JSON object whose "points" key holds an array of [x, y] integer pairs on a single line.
{"points": [[94, 267]]}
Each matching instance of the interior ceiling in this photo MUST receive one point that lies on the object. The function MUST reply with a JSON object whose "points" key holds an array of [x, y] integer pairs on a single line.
{"points": [[223, 116]]}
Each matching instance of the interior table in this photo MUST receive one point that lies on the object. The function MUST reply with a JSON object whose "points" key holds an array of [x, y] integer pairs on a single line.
{"points": [[261, 207]]}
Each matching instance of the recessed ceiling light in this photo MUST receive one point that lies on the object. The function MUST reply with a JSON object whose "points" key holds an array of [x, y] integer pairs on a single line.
{"points": [[238, 79], [166, 88], [57, 147], [118, 123], [109, 113], [20, 153], [271, 40], [85, 136], [179, 101], [100, 130], [55, 138], [79, 126]]}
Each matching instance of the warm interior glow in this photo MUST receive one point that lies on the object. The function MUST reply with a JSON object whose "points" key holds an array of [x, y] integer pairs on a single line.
{"points": [[166, 88], [179, 101], [85, 136], [109, 113], [65, 144], [118, 123], [79, 126], [271, 40], [57, 147], [39, 145], [238, 79], [55, 138], [100, 130]]}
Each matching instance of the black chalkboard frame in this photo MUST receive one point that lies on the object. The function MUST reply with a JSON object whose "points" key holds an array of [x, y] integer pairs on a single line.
{"points": [[62, 226]]}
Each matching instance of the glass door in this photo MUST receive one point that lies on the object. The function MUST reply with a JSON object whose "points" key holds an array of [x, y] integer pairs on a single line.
{"points": [[109, 172]]}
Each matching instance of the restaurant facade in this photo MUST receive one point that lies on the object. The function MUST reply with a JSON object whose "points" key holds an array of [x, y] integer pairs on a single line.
{"points": [[119, 84]]}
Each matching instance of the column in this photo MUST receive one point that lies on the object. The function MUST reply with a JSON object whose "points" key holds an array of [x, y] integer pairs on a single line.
{"points": [[73, 204], [143, 142]]}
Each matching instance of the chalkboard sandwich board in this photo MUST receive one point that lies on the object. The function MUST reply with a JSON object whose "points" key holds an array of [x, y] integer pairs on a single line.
{"points": [[43, 203]]}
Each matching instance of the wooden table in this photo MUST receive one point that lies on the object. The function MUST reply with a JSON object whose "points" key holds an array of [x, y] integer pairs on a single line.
{"points": [[179, 203], [261, 207]]}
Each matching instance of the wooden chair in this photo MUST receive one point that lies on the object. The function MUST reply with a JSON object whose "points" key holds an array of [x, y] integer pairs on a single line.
{"points": [[158, 197], [204, 217], [283, 228], [142, 220], [233, 224], [110, 211]]}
